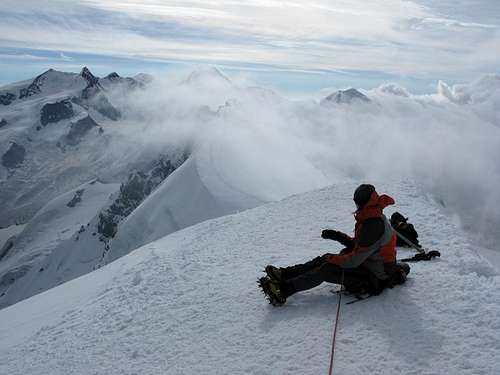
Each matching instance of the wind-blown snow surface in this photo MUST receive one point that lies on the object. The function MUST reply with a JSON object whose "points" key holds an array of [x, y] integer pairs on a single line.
{"points": [[188, 303]]}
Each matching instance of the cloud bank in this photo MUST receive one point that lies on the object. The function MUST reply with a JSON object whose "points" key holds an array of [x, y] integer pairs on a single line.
{"points": [[447, 143]]}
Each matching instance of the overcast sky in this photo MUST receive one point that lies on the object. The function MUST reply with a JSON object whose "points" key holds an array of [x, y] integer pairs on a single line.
{"points": [[292, 45]]}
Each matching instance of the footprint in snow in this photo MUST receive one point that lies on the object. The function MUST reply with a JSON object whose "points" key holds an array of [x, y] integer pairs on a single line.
{"points": [[137, 279]]}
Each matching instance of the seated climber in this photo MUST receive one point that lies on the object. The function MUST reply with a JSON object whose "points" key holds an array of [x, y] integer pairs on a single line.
{"points": [[366, 265]]}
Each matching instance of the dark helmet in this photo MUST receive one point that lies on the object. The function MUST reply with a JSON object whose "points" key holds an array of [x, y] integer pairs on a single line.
{"points": [[362, 195]]}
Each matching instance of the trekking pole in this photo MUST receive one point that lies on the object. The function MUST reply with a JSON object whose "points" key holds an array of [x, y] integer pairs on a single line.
{"points": [[423, 254], [418, 248]]}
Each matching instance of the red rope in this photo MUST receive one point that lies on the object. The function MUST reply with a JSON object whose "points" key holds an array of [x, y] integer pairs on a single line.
{"points": [[336, 324]]}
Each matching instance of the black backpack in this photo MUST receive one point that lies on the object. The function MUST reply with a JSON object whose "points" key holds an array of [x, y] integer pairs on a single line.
{"points": [[401, 225]]}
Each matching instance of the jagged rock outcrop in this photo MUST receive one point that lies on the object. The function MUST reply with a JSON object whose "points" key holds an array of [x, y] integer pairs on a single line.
{"points": [[77, 198], [137, 187], [32, 89], [113, 76], [54, 112], [12, 275], [114, 80], [14, 156], [9, 244], [345, 97], [35, 87], [79, 129], [92, 96], [7, 98], [89, 77]]}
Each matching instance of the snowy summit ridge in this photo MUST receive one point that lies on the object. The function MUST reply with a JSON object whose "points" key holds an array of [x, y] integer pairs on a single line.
{"points": [[194, 292]]}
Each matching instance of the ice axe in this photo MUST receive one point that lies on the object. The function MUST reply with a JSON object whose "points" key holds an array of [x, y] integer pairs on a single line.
{"points": [[422, 254]]}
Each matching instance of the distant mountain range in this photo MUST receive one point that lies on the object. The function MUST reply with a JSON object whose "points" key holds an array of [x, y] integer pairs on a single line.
{"points": [[70, 173], [97, 167], [61, 158]]}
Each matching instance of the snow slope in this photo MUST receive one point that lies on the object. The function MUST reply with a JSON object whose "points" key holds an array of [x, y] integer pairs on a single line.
{"points": [[185, 198], [188, 303], [24, 267]]}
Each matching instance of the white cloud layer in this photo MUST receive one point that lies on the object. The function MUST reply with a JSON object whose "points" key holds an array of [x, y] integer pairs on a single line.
{"points": [[392, 36], [447, 143]]}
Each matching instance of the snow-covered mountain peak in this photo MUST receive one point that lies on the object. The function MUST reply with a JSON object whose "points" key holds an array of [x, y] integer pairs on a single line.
{"points": [[113, 75], [207, 76], [345, 97], [49, 83], [115, 81]]}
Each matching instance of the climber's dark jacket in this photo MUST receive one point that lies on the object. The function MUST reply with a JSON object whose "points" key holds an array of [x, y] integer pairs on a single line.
{"points": [[374, 244]]}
